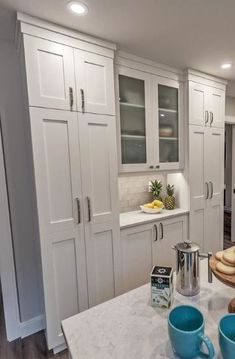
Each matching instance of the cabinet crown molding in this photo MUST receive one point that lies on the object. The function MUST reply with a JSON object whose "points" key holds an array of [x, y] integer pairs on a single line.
{"points": [[205, 79], [142, 64], [40, 28]]}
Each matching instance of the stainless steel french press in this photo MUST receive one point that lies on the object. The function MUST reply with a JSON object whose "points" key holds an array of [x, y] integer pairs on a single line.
{"points": [[188, 269]]}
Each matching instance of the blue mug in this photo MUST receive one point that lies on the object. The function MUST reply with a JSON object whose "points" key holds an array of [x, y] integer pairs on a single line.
{"points": [[227, 336], [186, 332]]}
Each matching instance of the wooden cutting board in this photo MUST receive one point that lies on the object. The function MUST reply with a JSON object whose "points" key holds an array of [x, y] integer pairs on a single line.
{"points": [[224, 278]]}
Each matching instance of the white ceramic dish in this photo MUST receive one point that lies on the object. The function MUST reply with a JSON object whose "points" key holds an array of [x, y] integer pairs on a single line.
{"points": [[151, 210]]}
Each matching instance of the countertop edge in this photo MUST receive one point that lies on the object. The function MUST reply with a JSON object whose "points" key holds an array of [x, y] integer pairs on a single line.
{"points": [[157, 217]]}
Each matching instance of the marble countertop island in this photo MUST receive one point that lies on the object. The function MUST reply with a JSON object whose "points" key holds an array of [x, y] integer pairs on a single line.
{"points": [[127, 327]]}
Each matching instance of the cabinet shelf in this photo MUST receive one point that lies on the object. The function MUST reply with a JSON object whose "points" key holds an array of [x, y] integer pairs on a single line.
{"points": [[133, 137], [167, 110], [128, 104], [169, 138]]}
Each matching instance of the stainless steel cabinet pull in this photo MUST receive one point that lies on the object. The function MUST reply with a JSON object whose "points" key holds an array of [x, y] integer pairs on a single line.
{"points": [[156, 233], [89, 208], [83, 100], [211, 117], [71, 98], [212, 189], [206, 117], [162, 234], [78, 210], [151, 167], [207, 190]]}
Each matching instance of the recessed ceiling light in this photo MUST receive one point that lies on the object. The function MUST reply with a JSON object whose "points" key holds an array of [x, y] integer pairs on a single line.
{"points": [[78, 7], [226, 66]]}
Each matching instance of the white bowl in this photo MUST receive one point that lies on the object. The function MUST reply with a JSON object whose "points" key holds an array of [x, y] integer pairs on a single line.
{"points": [[151, 210]]}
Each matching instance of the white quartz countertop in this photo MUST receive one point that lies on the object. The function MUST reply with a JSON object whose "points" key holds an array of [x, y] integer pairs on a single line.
{"points": [[128, 219], [127, 327]]}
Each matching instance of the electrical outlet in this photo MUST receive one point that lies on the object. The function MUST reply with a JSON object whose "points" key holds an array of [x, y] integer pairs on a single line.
{"points": [[149, 186]]}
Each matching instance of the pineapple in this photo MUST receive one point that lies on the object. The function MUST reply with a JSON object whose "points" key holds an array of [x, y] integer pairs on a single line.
{"points": [[170, 199], [155, 188]]}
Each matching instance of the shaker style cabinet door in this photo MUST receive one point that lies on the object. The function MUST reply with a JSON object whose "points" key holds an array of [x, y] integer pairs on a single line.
{"points": [[214, 174], [50, 74], [100, 196], [199, 190], [136, 249], [59, 204], [198, 104], [94, 83], [217, 108], [169, 232]]}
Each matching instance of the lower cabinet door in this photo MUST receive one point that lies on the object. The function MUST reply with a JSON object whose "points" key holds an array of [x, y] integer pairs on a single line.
{"points": [[170, 232], [136, 248], [58, 192], [97, 135]]}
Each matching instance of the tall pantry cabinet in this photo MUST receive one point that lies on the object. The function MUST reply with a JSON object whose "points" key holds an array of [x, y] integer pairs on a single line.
{"points": [[206, 159], [70, 96]]}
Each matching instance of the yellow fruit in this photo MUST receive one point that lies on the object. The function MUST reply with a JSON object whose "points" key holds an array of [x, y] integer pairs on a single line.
{"points": [[149, 205], [158, 203]]}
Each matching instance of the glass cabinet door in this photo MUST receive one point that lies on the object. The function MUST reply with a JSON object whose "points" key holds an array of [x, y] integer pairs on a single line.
{"points": [[168, 117], [132, 120]]}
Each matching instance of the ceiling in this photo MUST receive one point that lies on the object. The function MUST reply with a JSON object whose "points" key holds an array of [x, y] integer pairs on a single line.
{"points": [[181, 33]]}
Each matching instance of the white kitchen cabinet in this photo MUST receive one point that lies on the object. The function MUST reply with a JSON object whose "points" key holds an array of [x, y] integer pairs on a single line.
{"points": [[75, 167], [137, 256], [206, 186], [50, 74], [143, 246], [206, 105], [170, 232], [94, 83], [150, 126], [135, 137], [61, 223], [100, 196]]}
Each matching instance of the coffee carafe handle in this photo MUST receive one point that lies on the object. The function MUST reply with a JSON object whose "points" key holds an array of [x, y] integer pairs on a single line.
{"points": [[208, 256]]}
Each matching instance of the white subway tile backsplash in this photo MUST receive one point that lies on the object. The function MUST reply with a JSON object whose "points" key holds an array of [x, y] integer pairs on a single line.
{"points": [[133, 190]]}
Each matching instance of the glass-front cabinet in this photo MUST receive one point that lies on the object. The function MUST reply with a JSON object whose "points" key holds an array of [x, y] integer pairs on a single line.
{"points": [[149, 112], [133, 112], [168, 124]]}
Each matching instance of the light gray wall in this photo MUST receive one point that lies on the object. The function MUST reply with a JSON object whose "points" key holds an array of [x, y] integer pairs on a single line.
{"points": [[20, 184]]}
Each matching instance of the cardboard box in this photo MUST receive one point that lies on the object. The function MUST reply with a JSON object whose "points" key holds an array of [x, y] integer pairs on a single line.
{"points": [[161, 280]]}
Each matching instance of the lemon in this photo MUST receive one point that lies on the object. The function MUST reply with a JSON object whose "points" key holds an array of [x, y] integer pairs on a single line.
{"points": [[158, 203], [149, 205]]}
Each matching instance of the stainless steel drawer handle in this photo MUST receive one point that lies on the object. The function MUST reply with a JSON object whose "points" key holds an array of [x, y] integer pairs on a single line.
{"points": [[71, 98], [212, 189], [83, 100], [151, 167], [78, 210], [211, 118], [206, 116], [89, 208], [156, 233], [162, 233], [207, 190]]}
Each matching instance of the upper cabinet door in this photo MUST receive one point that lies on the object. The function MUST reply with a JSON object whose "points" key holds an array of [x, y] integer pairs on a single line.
{"points": [[217, 108], [50, 74], [198, 99], [94, 83], [167, 122], [135, 120]]}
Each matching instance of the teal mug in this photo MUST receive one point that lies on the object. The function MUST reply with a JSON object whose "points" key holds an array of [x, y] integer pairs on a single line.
{"points": [[227, 336], [186, 332]]}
